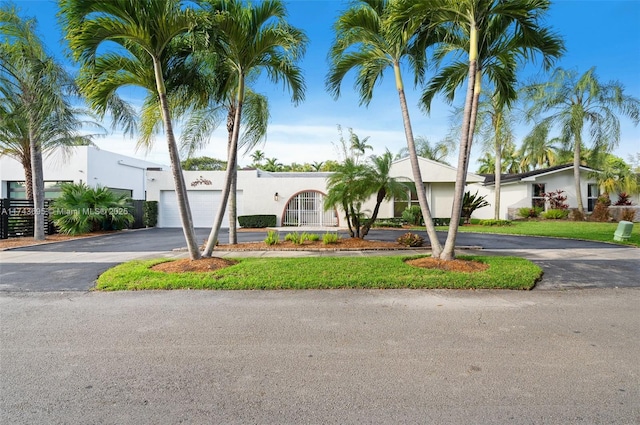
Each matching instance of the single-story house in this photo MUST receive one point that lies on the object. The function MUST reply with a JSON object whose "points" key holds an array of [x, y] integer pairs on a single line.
{"points": [[294, 198], [83, 164], [527, 189]]}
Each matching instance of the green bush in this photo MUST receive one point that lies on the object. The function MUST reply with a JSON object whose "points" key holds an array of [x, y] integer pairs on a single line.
{"points": [[150, 213], [412, 215], [313, 237], [296, 238], [410, 239], [273, 238], [330, 238], [530, 212], [444, 221], [493, 222], [395, 222], [257, 221], [555, 214], [83, 209]]}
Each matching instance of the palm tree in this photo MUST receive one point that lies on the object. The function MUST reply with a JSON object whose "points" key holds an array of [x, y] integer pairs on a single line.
{"points": [[581, 105], [385, 187], [495, 128], [35, 110], [251, 38], [538, 150], [365, 42], [272, 164], [347, 187], [257, 156], [436, 152], [493, 36], [202, 122], [144, 31]]}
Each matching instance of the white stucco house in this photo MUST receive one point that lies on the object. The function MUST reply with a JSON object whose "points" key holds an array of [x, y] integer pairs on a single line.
{"points": [[86, 164], [294, 198], [526, 189]]}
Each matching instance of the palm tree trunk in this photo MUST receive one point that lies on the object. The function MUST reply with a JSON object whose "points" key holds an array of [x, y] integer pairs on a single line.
{"points": [[576, 171], [178, 178], [468, 124], [233, 152], [37, 181], [436, 248], [28, 176], [498, 166], [233, 201]]}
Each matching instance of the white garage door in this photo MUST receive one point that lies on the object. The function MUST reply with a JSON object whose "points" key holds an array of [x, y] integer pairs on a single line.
{"points": [[204, 206]]}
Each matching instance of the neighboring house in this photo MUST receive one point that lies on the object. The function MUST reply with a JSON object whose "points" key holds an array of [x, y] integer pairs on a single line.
{"points": [[527, 189], [296, 199], [82, 164]]}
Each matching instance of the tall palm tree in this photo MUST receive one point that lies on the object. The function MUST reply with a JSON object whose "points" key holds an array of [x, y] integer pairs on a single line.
{"points": [[35, 108], [538, 150], [202, 122], [144, 31], [495, 129], [365, 42], [581, 105], [436, 152], [257, 156], [252, 38], [485, 39]]}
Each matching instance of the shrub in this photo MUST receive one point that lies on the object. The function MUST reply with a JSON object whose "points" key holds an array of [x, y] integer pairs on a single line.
{"points": [[556, 200], [493, 222], [576, 215], [313, 237], [150, 213], [388, 222], [628, 214], [257, 221], [273, 238], [294, 238], [470, 203], [601, 210], [330, 238], [555, 214], [623, 200], [412, 215], [410, 239], [82, 209], [475, 221], [529, 212]]}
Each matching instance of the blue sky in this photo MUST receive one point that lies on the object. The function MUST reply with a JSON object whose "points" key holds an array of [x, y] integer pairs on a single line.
{"points": [[600, 33]]}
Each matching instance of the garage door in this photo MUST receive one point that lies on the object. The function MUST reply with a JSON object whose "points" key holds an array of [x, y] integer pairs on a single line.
{"points": [[204, 206]]}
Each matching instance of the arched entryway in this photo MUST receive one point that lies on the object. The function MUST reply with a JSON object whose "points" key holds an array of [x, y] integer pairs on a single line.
{"points": [[307, 209]]}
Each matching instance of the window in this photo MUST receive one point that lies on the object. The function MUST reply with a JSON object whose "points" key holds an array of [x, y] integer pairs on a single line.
{"points": [[400, 204], [537, 200], [593, 191], [52, 189]]}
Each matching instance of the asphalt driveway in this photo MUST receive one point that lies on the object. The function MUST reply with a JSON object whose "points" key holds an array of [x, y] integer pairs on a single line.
{"points": [[75, 265]]}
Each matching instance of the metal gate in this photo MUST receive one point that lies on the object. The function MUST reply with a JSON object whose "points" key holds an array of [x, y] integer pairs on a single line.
{"points": [[307, 209]]}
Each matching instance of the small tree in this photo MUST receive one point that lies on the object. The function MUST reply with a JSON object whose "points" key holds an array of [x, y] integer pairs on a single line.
{"points": [[601, 210], [470, 203]]}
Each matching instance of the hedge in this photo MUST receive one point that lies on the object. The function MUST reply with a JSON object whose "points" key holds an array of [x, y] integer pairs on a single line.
{"points": [[257, 221]]}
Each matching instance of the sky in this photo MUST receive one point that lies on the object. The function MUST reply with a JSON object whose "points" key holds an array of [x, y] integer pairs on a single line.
{"points": [[598, 33]]}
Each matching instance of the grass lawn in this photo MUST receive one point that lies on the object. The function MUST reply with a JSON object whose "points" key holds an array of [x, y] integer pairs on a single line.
{"points": [[324, 273], [602, 232]]}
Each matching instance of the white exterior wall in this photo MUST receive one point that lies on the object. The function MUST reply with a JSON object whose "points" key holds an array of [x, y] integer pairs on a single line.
{"points": [[84, 164], [256, 189], [518, 194]]}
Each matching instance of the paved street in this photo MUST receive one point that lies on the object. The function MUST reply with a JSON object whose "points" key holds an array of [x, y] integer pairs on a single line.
{"points": [[556, 355], [321, 357]]}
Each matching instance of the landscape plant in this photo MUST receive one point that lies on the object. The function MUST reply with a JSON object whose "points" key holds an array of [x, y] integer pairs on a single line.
{"points": [[410, 239], [470, 203], [601, 209], [529, 212], [273, 238], [82, 209], [412, 215], [555, 214], [330, 238]]}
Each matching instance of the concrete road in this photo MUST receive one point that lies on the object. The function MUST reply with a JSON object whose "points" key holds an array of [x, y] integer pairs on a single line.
{"points": [[321, 357]]}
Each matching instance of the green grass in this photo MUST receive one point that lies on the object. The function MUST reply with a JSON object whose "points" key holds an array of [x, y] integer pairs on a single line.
{"points": [[602, 232], [324, 273]]}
